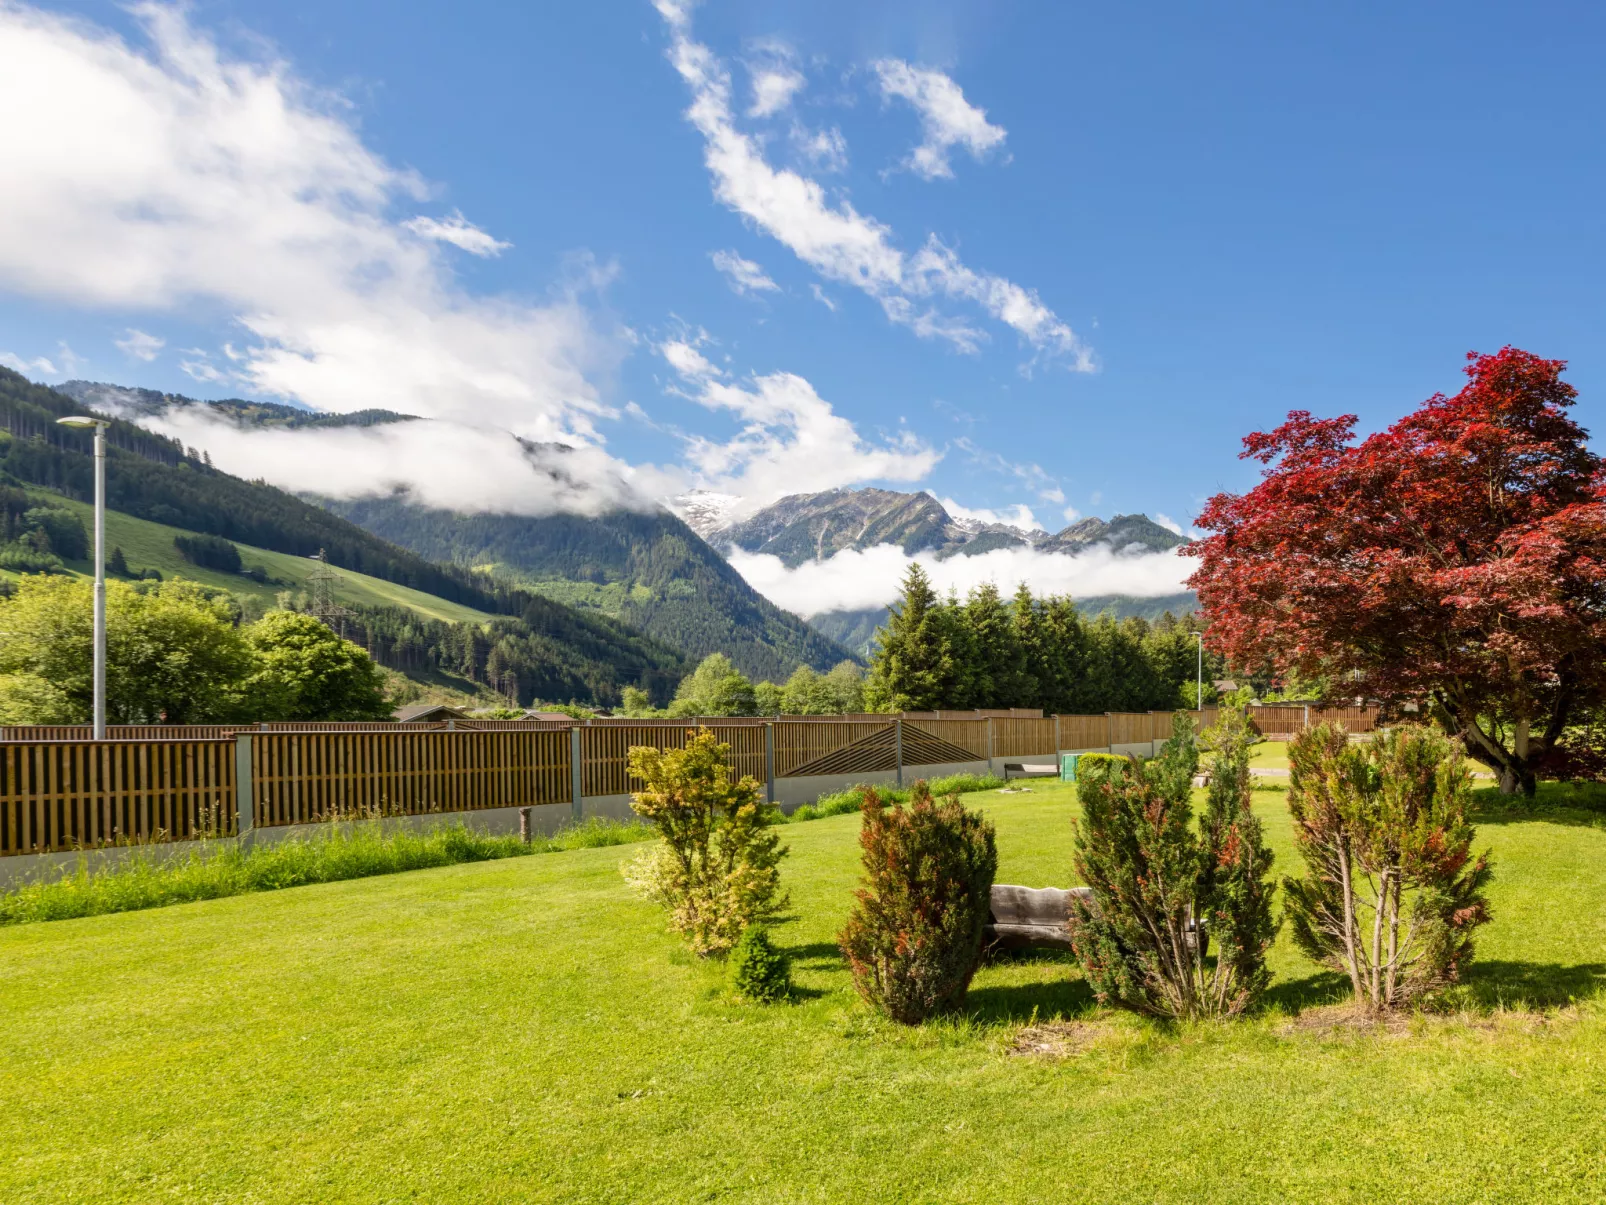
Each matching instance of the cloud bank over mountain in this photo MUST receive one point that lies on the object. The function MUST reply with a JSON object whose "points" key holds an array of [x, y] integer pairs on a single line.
{"points": [[855, 580]]}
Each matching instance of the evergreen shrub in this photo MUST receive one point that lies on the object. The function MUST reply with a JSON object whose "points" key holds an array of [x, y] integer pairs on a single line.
{"points": [[1392, 892], [1113, 763], [1164, 891], [914, 938], [759, 970]]}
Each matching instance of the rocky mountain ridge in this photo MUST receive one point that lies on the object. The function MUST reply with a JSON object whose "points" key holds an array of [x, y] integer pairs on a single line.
{"points": [[815, 527]]}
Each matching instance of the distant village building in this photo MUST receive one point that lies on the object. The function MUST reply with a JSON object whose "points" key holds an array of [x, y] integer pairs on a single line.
{"points": [[428, 713]]}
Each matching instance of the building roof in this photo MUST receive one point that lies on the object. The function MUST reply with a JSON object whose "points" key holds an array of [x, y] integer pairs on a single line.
{"points": [[426, 712]]}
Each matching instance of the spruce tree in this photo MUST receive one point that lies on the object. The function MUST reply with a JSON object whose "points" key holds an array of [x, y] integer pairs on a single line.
{"points": [[913, 665]]}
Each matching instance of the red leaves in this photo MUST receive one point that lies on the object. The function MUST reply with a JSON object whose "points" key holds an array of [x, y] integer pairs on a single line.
{"points": [[1461, 551]]}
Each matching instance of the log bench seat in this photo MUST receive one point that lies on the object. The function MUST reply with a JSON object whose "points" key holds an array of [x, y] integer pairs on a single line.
{"points": [[1027, 917], [1020, 769], [1024, 918]]}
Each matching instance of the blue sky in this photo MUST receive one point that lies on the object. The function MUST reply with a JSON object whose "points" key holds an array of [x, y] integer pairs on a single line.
{"points": [[1213, 215]]}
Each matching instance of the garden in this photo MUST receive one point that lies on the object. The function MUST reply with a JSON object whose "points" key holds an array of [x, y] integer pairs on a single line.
{"points": [[531, 1028], [1337, 970]]}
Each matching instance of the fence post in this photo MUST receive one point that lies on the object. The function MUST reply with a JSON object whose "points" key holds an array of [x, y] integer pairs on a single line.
{"points": [[1056, 738], [897, 742], [769, 763], [1109, 731], [244, 795], [989, 744], [1307, 715], [576, 773]]}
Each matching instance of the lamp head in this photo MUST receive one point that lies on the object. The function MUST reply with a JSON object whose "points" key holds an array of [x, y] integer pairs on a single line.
{"points": [[81, 420]]}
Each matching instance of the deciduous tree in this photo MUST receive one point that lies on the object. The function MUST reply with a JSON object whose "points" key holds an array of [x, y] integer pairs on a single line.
{"points": [[1457, 559]]}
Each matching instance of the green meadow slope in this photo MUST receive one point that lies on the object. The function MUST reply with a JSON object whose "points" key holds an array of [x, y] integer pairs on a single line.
{"points": [[148, 545]]}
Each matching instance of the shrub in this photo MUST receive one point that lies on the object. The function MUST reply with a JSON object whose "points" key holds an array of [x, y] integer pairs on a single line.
{"points": [[914, 938], [24, 557], [716, 866], [1391, 892], [759, 971], [1162, 891], [209, 552], [1109, 762]]}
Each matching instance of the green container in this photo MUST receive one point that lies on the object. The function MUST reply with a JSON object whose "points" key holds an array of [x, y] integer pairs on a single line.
{"points": [[1068, 766]]}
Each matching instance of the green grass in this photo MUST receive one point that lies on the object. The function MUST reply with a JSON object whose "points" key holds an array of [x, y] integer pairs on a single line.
{"points": [[145, 879], [149, 545], [526, 1030], [840, 803], [1269, 755]]}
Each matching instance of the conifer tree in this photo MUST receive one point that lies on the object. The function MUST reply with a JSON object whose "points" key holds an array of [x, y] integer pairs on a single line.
{"points": [[913, 666]]}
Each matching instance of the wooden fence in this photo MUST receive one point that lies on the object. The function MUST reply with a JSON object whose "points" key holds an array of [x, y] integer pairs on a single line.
{"points": [[61, 795], [305, 777], [605, 751], [61, 791]]}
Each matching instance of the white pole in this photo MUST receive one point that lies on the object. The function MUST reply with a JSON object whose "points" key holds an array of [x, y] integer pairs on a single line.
{"points": [[100, 582]]}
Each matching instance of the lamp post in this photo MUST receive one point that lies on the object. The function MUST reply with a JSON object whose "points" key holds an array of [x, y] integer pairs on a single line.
{"points": [[100, 425]]}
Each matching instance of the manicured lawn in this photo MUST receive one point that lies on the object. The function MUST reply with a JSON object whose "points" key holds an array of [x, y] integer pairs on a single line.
{"points": [[1269, 755], [526, 1030]]}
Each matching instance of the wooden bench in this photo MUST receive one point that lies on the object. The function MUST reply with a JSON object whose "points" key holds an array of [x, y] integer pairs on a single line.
{"points": [[1027, 917], [1030, 770], [1023, 918]]}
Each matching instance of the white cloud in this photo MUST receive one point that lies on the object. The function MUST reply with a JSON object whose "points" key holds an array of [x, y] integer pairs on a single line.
{"points": [[173, 175], [39, 366], [792, 441], [199, 368], [855, 580], [826, 149], [743, 275], [1168, 523], [459, 232], [821, 296], [947, 119], [682, 355], [772, 68], [451, 465], [1020, 515], [139, 345], [836, 240], [1071, 514], [1032, 475]]}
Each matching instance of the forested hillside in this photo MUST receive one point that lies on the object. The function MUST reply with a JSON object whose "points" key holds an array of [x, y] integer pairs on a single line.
{"points": [[551, 653], [153, 477], [648, 569], [528, 648]]}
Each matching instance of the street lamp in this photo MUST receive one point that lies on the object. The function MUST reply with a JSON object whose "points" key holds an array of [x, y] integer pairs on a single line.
{"points": [[100, 425]]}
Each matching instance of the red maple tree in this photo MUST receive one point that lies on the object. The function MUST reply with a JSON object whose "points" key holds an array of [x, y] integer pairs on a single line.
{"points": [[1456, 560]]}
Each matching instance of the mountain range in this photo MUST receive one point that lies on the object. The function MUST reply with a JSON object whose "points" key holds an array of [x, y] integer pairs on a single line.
{"points": [[646, 569], [662, 574], [815, 527]]}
